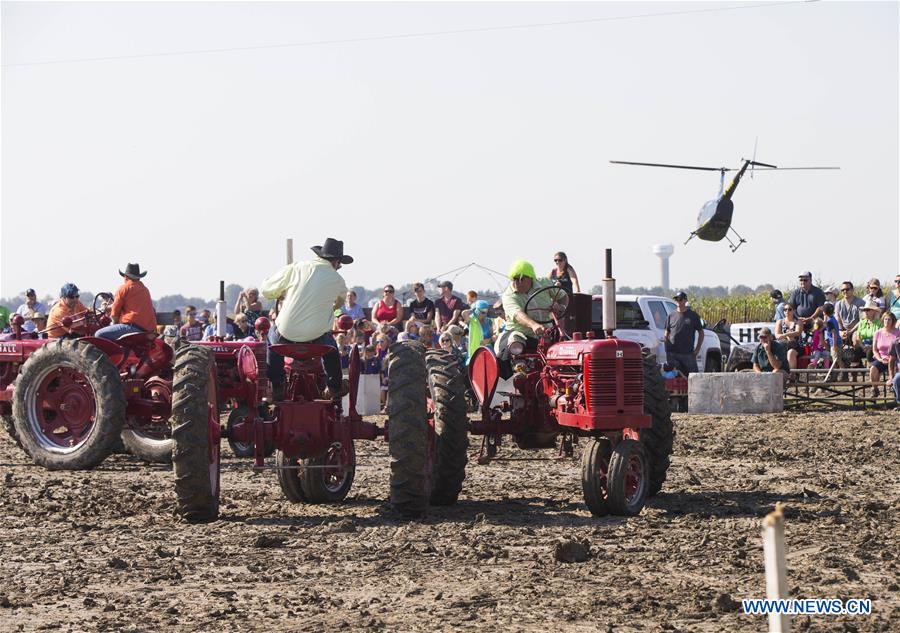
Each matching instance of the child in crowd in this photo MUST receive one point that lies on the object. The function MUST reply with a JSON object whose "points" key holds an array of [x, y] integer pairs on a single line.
{"points": [[343, 350], [427, 336], [412, 330], [371, 361], [818, 346], [833, 334]]}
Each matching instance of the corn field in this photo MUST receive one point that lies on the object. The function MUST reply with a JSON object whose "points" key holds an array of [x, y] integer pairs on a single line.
{"points": [[734, 309]]}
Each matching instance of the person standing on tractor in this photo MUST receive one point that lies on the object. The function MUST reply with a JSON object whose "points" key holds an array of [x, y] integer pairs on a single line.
{"points": [[132, 308], [681, 350], [67, 306], [311, 290], [520, 327]]}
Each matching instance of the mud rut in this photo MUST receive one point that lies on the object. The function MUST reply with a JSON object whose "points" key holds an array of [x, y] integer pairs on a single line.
{"points": [[100, 550]]}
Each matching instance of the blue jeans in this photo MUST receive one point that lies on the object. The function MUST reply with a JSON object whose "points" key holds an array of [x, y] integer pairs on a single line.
{"points": [[331, 360], [115, 332], [896, 384], [687, 363]]}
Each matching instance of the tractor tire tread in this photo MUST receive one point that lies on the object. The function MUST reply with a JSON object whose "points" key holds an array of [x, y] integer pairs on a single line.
{"points": [[408, 429], [195, 499], [448, 393], [658, 439]]}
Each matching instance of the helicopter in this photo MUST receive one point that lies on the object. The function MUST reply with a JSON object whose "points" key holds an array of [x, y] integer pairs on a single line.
{"points": [[714, 219]]}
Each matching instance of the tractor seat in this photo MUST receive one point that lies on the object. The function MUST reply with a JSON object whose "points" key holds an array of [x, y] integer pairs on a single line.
{"points": [[301, 351], [136, 339]]}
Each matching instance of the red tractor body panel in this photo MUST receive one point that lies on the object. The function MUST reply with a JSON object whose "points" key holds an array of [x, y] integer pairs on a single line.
{"points": [[601, 384]]}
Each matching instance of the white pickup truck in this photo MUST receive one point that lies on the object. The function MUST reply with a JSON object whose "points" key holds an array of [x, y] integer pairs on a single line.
{"points": [[642, 319]]}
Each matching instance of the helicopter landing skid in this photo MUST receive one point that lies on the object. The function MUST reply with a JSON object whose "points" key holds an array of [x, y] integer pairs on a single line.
{"points": [[740, 240]]}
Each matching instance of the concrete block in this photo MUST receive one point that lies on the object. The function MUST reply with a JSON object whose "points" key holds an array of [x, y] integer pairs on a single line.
{"points": [[736, 392], [368, 396]]}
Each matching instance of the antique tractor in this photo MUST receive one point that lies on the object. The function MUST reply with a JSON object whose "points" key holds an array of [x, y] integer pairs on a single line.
{"points": [[68, 401], [566, 388], [313, 437]]}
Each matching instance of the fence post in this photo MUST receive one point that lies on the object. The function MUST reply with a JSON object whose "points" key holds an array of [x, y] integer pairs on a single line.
{"points": [[776, 567]]}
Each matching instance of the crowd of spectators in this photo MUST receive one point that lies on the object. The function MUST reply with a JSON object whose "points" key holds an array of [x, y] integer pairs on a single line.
{"points": [[835, 327]]}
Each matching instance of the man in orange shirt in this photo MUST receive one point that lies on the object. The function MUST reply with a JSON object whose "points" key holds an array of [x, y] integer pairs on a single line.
{"points": [[67, 306], [132, 309]]}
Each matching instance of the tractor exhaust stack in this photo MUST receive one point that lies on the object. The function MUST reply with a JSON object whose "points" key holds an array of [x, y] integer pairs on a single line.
{"points": [[609, 298], [221, 312]]}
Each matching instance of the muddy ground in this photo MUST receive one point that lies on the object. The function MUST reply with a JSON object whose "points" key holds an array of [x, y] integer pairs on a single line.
{"points": [[100, 550]]}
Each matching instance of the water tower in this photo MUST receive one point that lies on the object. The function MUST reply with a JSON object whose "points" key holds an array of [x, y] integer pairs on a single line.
{"points": [[664, 252]]}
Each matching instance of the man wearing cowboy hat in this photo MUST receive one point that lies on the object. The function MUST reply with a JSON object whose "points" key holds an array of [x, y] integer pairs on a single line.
{"points": [[311, 290], [132, 308]]}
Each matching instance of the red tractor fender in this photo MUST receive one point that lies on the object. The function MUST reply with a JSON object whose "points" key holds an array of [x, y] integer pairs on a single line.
{"points": [[484, 373]]}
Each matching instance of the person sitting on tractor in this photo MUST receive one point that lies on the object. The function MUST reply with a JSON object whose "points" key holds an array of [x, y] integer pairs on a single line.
{"points": [[67, 306], [520, 327], [312, 290], [132, 308]]}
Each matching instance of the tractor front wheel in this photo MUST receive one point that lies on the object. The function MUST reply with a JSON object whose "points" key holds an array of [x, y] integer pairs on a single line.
{"points": [[659, 437], [68, 405], [410, 440], [447, 384], [595, 475], [195, 435], [628, 478]]}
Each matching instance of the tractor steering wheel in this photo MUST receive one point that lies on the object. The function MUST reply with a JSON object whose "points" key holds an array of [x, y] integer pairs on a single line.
{"points": [[554, 302], [107, 299]]}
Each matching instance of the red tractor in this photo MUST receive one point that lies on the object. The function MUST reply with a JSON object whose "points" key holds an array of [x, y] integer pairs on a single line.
{"points": [[313, 438], [566, 388], [68, 401]]}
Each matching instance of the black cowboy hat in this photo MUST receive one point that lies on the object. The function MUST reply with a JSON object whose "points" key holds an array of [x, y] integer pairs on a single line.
{"points": [[133, 271], [332, 249]]}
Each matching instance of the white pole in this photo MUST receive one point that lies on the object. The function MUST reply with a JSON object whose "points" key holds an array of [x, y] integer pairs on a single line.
{"points": [[776, 567]]}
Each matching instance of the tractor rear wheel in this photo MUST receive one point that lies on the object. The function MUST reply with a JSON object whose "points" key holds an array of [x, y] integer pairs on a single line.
{"points": [[146, 444], [447, 384], [327, 478], [195, 435], [627, 482], [68, 405], [243, 449], [594, 475], [289, 478], [658, 438], [409, 436], [150, 439]]}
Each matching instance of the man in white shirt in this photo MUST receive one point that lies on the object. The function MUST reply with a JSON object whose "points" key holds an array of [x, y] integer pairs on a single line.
{"points": [[311, 290]]}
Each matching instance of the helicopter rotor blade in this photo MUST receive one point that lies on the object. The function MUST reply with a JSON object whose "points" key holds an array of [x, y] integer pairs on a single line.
{"points": [[773, 168], [625, 162]]}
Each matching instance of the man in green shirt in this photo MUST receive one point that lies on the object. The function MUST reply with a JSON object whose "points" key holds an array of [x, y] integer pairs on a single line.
{"points": [[520, 327], [770, 355]]}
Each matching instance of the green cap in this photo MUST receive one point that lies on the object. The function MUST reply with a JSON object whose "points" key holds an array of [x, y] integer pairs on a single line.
{"points": [[521, 268]]}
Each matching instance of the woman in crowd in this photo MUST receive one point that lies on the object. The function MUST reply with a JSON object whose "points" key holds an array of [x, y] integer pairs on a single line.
{"points": [[563, 274], [249, 304], [875, 293], [388, 310], [881, 349], [412, 330], [787, 332], [865, 332]]}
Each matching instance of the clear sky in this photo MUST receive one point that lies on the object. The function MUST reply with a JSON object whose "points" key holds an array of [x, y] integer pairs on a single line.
{"points": [[427, 153]]}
